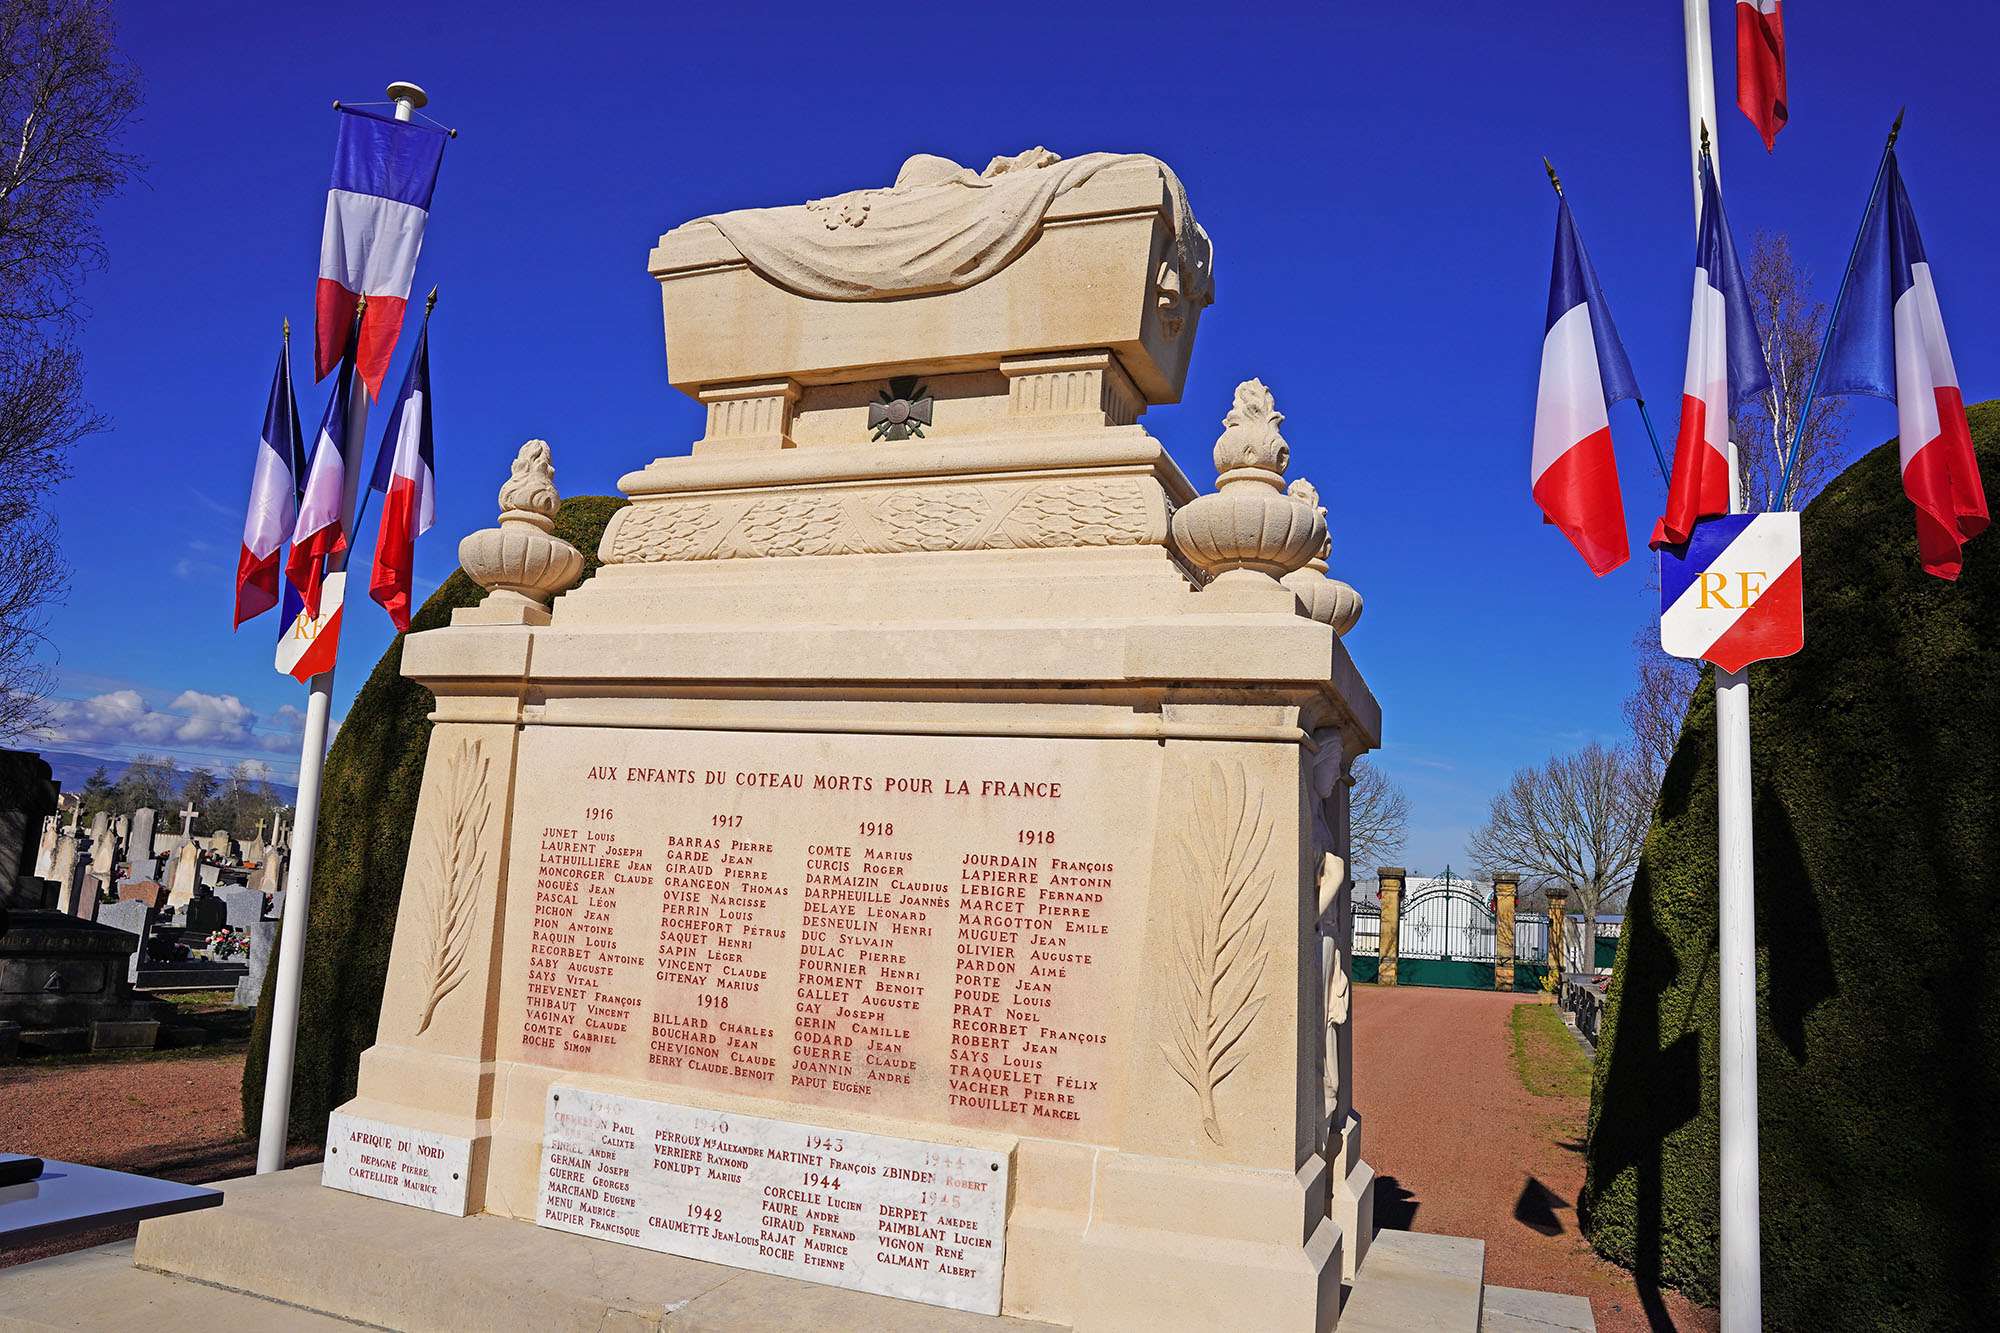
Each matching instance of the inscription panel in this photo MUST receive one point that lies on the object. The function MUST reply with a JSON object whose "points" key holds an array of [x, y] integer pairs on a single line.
{"points": [[920, 1221], [934, 928], [402, 1165]]}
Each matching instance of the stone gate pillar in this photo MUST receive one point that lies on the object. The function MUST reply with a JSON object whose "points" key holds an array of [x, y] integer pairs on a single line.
{"points": [[1389, 879], [1506, 887], [1556, 897]]}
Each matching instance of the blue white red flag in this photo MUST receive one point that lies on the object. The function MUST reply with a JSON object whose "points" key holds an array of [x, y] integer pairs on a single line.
{"points": [[406, 475], [1889, 342], [309, 644], [384, 171], [275, 481], [1735, 593], [319, 535], [1574, 473], [1725, 364]]}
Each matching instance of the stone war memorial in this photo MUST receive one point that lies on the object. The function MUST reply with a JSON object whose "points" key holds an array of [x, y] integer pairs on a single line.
{"points": [[914, 862]]}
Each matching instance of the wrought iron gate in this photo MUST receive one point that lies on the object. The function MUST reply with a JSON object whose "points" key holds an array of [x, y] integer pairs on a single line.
{"points": [[1445, 937]]}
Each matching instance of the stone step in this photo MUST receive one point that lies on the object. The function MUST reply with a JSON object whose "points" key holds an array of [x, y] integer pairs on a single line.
{"points": [[1413, 1281], [1512, 1310], [385, 1265]]}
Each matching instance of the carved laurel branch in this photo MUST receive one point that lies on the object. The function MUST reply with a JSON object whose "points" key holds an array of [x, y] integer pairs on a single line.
{"points": [[454, 864], [1216, 990], [967, 518]]}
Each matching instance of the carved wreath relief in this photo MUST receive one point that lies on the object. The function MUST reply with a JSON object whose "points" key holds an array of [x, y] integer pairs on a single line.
{"points": [[957, 518], [454, 863], [1216, 984]]}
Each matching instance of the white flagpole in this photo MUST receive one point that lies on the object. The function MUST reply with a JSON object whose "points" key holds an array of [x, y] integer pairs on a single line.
{"points": [[305, 829], [1741, 1269]]}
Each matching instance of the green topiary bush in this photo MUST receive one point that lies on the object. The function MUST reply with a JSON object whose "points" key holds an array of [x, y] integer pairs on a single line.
{"points": [[368, 805], [1876, 792]]}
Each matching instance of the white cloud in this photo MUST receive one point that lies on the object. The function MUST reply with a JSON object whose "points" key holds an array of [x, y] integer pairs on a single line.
{"points": [[214, 725]]}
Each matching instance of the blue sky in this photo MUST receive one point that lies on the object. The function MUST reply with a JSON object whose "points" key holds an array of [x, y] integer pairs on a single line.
{"points": [[1371, 176]]}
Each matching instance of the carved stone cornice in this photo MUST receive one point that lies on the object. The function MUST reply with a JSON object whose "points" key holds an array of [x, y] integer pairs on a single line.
{"points": [[984, 515]]}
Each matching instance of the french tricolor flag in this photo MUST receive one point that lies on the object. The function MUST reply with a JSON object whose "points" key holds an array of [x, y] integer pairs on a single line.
{"points": [[1725, 364], [406, 475], [1889, 342], [1574, 473], [384, 171], [275, 481], [319, 534]]}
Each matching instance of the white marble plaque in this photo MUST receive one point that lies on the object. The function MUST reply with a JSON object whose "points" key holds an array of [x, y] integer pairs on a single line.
{"points": [[899, 1217], [393, 1162]]}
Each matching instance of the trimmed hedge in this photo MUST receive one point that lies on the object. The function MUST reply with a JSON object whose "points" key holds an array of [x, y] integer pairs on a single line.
{"points": [[368, 805], [1876, 793]]}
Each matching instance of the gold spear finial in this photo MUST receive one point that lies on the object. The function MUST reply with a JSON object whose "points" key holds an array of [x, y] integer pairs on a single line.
{"points": [[1554, 179], [430, 302], [288, 329], [1704, 134], [1897, 128], [360, 306]]}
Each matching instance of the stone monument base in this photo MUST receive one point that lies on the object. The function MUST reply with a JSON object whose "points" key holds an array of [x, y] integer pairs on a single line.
{"points": [[389, 1266]]}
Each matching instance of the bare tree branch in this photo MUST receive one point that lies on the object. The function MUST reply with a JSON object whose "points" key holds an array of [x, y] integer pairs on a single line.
{"points": [[1658, 703], [1791, 323], [1378, 817], [1576, 822], [66, 96]]}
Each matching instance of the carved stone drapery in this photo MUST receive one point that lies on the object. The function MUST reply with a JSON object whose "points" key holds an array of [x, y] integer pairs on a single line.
{"points": [[976, 517]]}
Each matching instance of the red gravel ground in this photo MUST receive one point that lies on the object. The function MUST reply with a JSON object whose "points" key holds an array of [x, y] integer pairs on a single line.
{"points": [[174, 1115], [1461, 1148]]}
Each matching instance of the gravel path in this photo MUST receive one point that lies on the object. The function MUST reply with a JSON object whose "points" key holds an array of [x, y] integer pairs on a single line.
{"points": [[175, 1116], [1462, 1149]]}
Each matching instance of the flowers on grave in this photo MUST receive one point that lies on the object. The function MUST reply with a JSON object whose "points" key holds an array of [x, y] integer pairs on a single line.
{"points": [[226, 943]]}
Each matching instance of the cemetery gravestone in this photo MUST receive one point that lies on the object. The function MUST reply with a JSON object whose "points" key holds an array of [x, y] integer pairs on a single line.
{"points": [[143, 891], [45, 850], [103, 853], [136, 919], [270, 876], [242, 907], [250, 987], [907, 863], [187, 814], [139, 848], [89, 896], [72, 888], [27, 798], [185, 876], [206, 913], [65, 867], [60, 975]]}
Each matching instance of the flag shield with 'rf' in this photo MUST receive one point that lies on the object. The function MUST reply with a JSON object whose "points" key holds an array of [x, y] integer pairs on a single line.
{"points": [[1734, 595]]}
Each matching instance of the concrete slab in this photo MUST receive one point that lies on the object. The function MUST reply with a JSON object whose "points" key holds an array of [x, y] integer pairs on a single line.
{"points": [[398, 1267], [97, 1289], [136, 1035], [1512, 1310], [1412, 1281]]}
